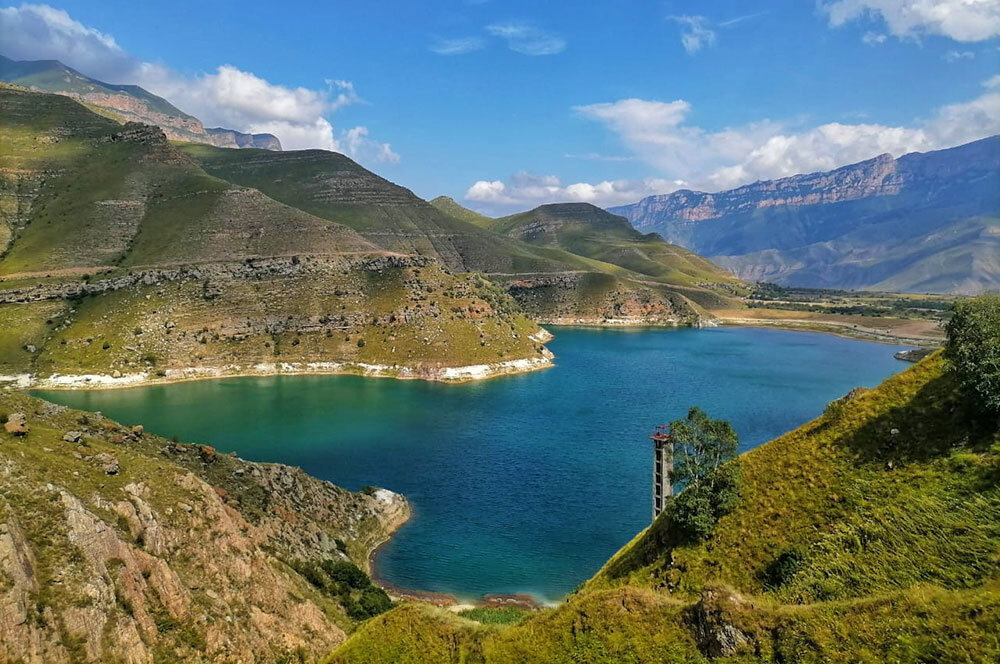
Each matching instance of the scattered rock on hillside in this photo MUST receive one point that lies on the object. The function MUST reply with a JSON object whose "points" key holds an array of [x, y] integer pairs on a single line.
{"points": [[16, 424], [714, 631]]}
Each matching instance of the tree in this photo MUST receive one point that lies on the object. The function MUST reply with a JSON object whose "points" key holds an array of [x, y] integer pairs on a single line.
{"points": [[973, 350], [707, 470]]}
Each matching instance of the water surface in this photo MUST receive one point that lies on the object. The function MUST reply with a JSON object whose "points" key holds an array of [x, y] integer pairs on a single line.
{"points": [[523, 483]]}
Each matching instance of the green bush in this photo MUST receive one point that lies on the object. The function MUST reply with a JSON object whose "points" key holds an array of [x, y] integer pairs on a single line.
{"points": [[973, 349], [705, 465], [785, 566], [347, 573]]}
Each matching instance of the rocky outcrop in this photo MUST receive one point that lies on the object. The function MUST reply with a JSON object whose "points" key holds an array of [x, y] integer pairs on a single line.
{"points": [[590, 298], [178, 556], [230, 138], [129, 103], [247, 269], [711, 620]]}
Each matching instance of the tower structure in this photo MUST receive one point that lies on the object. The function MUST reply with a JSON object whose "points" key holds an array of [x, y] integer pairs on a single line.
{"points": [[663, 465]]}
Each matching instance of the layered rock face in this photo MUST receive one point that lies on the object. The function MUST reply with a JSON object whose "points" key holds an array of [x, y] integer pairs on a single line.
{"points": [[124, 257], [924, 222], [129, 103], [116, 545]]}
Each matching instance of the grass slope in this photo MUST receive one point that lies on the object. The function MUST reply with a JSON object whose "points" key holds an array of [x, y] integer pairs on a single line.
{"points": [[450, 207], [894, 537], [587, 230], [334, 187], [229, 276]]}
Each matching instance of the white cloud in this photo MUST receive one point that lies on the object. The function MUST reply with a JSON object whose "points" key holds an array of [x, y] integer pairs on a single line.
{"points": [[873, 38], [528, 40], [525, 189], [962, 20], [955, 56], [228, 97], [458, 46], [357, 144], [594, 156], [658, 133], [696, 32]]}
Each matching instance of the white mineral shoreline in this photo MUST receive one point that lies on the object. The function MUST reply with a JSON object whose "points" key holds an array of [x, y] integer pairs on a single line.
{"points": [[97, 381]]}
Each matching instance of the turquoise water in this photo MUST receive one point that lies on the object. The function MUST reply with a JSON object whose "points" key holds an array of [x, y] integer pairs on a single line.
{"points": [[524, 483]]}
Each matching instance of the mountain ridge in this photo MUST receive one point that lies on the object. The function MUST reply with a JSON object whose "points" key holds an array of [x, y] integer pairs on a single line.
{"points": [[128, 102], [878, 224]]}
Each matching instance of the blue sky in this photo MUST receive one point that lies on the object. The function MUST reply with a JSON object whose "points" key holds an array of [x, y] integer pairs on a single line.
{"points": [[504, 105]]}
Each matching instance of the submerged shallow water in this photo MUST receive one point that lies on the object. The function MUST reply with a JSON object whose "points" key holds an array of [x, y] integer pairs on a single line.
{"points": [[523, 483]]}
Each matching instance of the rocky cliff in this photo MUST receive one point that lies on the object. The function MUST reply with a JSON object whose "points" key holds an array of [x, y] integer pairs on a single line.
{"points": [[924, 221], [129, 103], [120, 546]]}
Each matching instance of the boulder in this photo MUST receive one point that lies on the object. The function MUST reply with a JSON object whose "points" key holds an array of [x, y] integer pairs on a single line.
{"points": [[208, 453], [107, 462], [72, 436], [16, 424]]}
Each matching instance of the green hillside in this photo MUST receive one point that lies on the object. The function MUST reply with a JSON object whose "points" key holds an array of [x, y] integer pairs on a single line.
{"points": [[120, 254], [587, 230], [333, 186], [553, 283], [870, 534], [448, 206]]}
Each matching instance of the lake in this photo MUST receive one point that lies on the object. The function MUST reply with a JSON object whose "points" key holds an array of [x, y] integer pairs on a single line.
{"points": [[522, 483]]}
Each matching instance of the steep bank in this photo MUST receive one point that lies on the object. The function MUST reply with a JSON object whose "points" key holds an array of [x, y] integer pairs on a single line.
{"points": [[868, 534], [117, 545]]}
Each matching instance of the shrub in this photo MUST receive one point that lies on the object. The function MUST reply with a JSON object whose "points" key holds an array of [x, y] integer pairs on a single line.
{"points": [[785, 566], [705, 465], [347, 573], [973, 349]]}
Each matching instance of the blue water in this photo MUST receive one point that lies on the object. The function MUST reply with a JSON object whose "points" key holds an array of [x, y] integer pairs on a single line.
{"points": [[524, 483]]}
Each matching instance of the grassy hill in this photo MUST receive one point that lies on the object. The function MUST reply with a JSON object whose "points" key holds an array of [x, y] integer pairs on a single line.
{"points": [[587, 230], [868, 534], [448, 206], [120, 254], [552, 282]]}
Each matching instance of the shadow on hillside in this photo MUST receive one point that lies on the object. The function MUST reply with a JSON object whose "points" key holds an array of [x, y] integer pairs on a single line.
{"points": [[932, 423]]}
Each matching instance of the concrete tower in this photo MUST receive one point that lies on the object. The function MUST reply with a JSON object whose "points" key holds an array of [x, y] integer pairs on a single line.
{"points": [[663, 464]]}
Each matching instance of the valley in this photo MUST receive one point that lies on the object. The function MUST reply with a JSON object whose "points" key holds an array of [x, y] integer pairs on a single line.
{"points": [[628, 421]]}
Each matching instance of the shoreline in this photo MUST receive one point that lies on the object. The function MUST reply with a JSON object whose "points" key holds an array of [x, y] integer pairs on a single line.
{"points": [[458, 374], [455, 374], [844, 330]]}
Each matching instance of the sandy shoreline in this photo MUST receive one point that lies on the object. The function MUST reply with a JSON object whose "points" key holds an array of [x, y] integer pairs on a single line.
{"points": [[846, 330]]}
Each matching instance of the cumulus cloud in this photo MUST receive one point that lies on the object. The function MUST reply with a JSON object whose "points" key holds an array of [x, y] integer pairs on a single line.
{"points": [[696, 33], [458, 45], [962, 20], [659, 133], [526, 39], [227, 97], [525, 189]]}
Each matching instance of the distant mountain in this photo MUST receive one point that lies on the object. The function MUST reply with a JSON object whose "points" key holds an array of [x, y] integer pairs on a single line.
{"points": [[448, 206], [925, 222], [126, 102]]}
